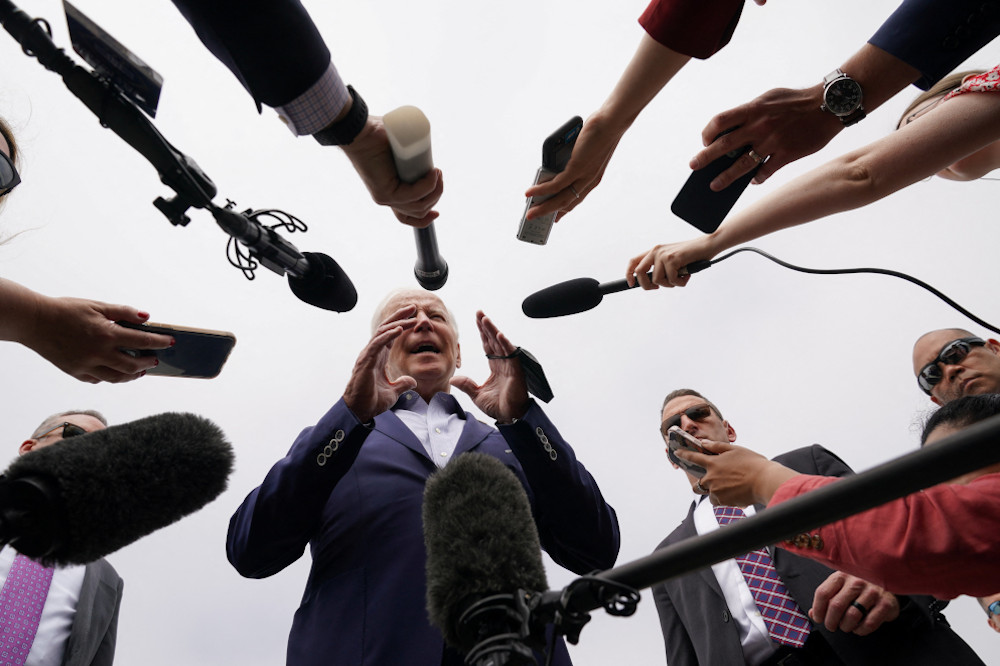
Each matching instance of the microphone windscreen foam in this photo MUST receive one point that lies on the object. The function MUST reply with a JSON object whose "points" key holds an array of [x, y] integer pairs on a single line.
{"points": [[480, 536], [122, 483], [326, 285], [565, 298]]}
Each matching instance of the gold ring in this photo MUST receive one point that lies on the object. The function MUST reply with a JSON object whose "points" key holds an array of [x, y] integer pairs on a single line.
{"points": [[574, 191], [755, 157]]}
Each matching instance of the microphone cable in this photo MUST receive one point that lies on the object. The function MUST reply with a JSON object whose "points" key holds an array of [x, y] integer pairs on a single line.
{"points": [[239, 255], [846, 271]]}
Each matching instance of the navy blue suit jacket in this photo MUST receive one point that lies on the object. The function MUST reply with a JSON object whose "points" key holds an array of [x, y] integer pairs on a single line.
{"points": [[698, 629], [355, 494]]}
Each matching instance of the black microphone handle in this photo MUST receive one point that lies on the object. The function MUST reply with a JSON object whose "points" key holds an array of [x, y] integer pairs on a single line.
{"points": [[410, 139], [615, 286]]}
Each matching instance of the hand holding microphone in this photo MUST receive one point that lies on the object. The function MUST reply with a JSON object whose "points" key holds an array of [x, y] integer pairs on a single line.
{"points": [[409, 135]]}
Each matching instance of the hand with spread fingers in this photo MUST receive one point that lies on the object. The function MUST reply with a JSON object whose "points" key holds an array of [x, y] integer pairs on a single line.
{"points": [[504, 394], [370, 391], [851, 604]]}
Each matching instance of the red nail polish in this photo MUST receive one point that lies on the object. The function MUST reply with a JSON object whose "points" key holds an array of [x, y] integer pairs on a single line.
{"points": [[143, 315], [173, 342]]}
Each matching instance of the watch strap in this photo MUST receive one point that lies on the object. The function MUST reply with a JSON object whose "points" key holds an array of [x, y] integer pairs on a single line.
{"points": [[345, 130]]}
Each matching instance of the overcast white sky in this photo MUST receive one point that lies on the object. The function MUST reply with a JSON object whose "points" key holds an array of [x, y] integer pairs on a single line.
{"points": [[791, 359]]}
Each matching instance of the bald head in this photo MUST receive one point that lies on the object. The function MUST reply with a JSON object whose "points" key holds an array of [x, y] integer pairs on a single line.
{"points": [[974, 373]]}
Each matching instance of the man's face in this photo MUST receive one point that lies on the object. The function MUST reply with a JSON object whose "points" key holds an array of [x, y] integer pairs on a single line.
{"points": [[429, 351], [85, 421], [977, 373], [711, 427]]}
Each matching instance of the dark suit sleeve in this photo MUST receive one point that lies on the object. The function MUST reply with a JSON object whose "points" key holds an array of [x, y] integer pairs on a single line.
{"points": [[577, 528], [272, 46], [274, 524], [679, 648], [935, 36]]}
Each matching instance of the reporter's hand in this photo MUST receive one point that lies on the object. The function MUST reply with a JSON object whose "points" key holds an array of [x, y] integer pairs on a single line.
{"points": [[81, 338], [737, 476], [370, 391], [593, 150], [666, 262], [832, 605], [782, 125], [371, 156]]}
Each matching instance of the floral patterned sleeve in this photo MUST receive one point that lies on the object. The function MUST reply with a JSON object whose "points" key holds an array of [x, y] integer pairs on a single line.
{"points": [[985, 82]]}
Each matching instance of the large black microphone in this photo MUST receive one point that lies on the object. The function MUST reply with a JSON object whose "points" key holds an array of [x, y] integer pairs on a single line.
{"points": [[315, 278], [82, 498], [581, 294], [482, 545], [409, 134]]}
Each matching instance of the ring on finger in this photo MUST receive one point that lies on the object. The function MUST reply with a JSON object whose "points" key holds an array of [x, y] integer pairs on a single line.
{"points": [[700, 488], [864, 611], [755, 156], [574, 191]]}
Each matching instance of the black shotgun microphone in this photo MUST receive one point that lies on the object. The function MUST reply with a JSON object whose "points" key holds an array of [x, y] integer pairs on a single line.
{"points": [[313, 277], [80, 499], [581, 294], [410, 139], [483, 551]]}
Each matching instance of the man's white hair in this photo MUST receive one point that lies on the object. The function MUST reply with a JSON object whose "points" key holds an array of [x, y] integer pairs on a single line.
{"points": [[403, 292]]}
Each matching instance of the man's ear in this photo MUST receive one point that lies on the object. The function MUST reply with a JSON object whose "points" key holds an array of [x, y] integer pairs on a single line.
{"points": [[936, 401], [27, 446], [994, 345], [730, 432]]}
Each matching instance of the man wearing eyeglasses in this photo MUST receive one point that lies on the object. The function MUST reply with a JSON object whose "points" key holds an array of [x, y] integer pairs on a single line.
{"points": [[951, 362], [67, 616], [772, 607]]}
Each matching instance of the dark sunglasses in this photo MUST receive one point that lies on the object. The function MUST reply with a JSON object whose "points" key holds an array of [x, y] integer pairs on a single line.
{"points": [[69, 430], [697, 413], [9, 177], [952, 353]]}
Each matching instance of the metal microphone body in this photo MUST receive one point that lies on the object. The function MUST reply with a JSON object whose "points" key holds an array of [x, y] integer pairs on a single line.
{"points": [[409, 134]]}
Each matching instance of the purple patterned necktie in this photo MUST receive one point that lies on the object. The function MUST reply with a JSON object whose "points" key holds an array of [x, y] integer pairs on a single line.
{"points": [[21, 603], [786, 623]]}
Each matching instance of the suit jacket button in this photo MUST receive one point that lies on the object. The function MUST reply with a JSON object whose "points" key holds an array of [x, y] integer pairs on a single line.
{"points": [[725, 615]]}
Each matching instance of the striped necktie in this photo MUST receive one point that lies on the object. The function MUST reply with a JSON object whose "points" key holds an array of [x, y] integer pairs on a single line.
{"points": [[786, 623]]}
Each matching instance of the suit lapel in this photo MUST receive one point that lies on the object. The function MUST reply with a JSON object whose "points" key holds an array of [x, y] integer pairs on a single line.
{"points": [[473, 434], [392, 427], [686, 530]]}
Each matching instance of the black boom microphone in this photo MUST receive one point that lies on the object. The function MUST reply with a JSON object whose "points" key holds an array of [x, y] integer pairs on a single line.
{"points": [[409, 134], [581, 294], [482, 545], [80, 499], [314, 278]]}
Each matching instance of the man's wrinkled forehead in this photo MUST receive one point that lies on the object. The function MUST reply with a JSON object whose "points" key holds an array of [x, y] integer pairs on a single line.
{"points": [[401, 298]]}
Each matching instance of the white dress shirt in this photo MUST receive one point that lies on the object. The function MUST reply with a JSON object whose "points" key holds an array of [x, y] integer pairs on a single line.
{"points": [[438, 424]]}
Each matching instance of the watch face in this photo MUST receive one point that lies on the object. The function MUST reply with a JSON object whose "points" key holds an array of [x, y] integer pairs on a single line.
{"points": [[843, 96]]}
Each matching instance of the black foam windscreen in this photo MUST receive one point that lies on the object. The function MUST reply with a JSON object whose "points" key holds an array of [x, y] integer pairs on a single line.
{"points": [[481, 538], [565, 298], [117, 485], [325, 286]]}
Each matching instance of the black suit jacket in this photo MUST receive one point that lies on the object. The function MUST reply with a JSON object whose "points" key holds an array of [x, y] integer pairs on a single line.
{"points": [[697, 627]]}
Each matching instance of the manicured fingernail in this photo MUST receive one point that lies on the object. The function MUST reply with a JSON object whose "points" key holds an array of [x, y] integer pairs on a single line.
{"points": [[172, 342], [143, 315], [156, 363]]}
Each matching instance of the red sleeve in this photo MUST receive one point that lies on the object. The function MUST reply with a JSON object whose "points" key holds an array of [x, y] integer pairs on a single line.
{"points": [[939, 541], [697, 28]]}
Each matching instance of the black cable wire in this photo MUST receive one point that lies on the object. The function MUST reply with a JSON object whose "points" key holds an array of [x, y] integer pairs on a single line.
{"points": [[237, 253], [878, 271]]}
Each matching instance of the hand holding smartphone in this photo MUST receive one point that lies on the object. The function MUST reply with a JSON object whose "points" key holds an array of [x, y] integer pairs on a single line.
{"points": [[678, 440], [556, 151], [197, 352], [704, 209]]}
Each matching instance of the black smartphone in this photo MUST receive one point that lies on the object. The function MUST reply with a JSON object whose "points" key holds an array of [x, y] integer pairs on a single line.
{"points": [[704, 209], [556, 151], [198, 352]]}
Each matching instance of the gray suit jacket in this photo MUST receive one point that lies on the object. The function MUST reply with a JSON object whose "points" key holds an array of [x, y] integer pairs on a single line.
{"points": [[697, 627], [95, 626]]}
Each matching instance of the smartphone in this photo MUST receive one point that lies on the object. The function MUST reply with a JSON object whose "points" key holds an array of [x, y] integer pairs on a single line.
{"points": [[556, 151], [198, 352], [677, 439], [704, 209]]}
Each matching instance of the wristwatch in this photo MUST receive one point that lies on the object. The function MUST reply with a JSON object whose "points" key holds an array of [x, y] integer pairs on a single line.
{"points": [[345, 130], [842, 97]]}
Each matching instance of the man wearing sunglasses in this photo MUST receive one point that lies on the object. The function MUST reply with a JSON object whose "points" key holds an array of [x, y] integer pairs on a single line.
{"points": [[808, 613], [951, 362], [71, 613]]}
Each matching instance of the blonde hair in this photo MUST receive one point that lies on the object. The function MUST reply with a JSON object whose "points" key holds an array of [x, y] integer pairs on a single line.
{"points": [[939, 89]]}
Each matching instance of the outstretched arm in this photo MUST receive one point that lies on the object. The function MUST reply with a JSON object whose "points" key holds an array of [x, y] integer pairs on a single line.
{"points": [[961, 130]]}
